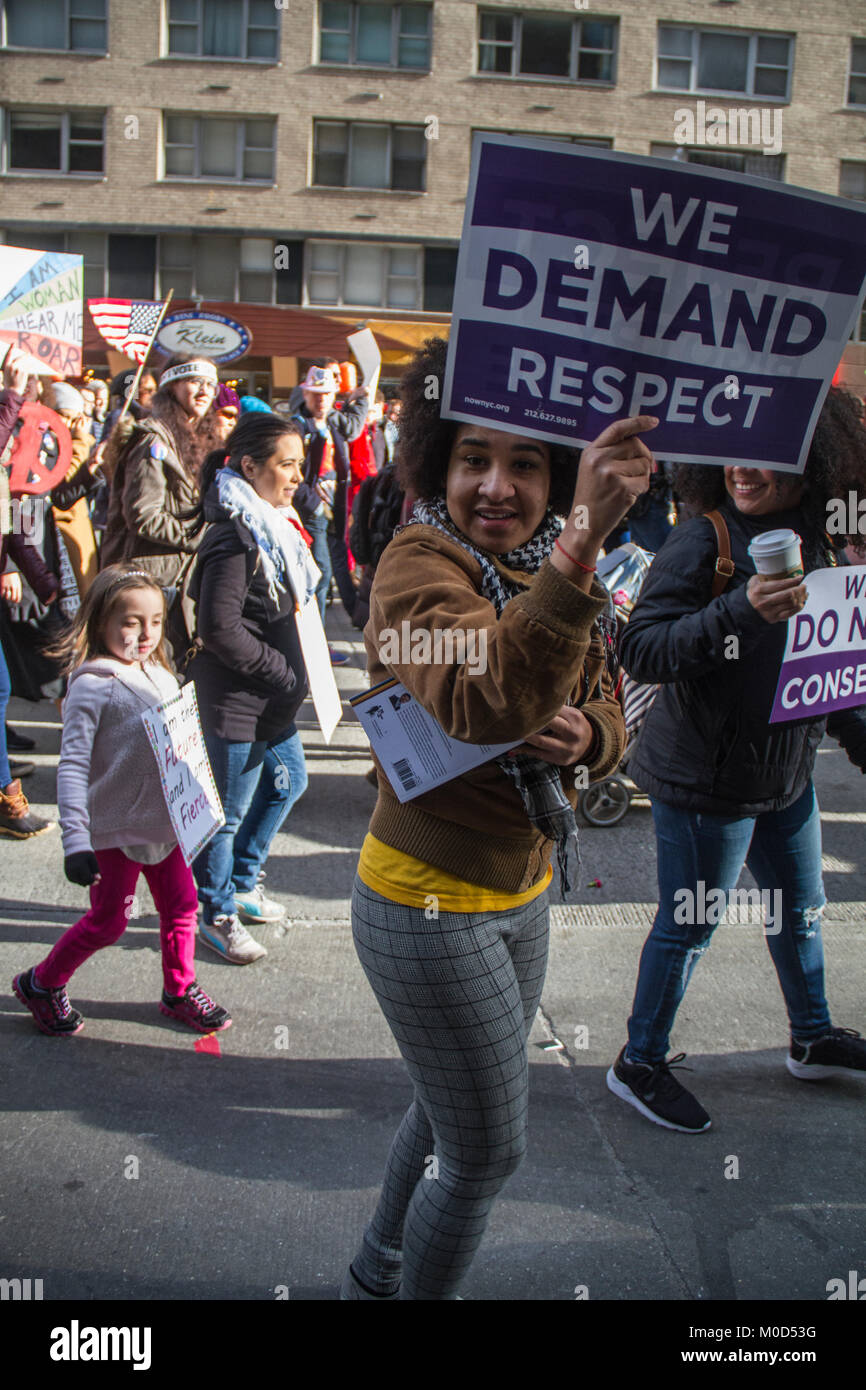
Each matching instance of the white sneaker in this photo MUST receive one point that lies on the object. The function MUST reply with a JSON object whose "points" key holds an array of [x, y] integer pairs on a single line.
{"points": [[254, 907], [231, 940]]}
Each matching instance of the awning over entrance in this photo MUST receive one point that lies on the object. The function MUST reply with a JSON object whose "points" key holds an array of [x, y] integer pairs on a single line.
{"points": [[290, 332]]}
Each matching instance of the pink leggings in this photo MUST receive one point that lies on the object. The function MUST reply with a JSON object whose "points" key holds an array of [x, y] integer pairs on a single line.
{"points": [[174, 893]]}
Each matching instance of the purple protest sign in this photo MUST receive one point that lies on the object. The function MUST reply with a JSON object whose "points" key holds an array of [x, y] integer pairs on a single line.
{"points": [[593, 285], [824, 666]]}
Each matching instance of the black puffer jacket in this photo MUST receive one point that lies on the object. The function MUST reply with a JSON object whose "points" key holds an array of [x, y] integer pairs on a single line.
{"points": [[707, 743], [250, 677]]}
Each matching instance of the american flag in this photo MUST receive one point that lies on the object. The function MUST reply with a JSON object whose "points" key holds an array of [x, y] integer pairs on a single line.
{"points": [[127, 324]]}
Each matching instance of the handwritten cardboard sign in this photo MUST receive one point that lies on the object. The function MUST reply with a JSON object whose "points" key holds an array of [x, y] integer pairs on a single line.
{"points": [[174, 730]]}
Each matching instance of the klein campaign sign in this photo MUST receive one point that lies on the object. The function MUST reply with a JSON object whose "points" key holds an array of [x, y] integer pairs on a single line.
{"points": [[824, 667], [593, 285], [174, 730]]}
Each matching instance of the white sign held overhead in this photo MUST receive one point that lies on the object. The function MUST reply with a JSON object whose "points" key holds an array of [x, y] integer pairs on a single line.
{"points": [[366, 350]]}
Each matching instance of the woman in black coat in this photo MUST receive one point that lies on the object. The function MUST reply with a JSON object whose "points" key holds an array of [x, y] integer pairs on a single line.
{"points": [[729, 788], [252, 567]]}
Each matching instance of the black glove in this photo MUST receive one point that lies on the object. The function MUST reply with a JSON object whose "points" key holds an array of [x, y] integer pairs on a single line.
{"points": [[82, 868]]}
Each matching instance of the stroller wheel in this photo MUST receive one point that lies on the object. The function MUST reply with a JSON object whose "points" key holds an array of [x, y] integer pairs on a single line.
{"points": [[606, 803]]}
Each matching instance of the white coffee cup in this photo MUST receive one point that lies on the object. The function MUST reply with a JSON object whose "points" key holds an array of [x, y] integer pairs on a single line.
{"points": [[776, 555]]}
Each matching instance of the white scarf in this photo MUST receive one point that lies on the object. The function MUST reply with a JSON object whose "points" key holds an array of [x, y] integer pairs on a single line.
{"points": [[286, 559]]}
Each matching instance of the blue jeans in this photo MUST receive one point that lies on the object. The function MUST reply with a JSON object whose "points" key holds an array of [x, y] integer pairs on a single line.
{"points": [[258, 784], [318, 528], [698, 853], [5, 692]]}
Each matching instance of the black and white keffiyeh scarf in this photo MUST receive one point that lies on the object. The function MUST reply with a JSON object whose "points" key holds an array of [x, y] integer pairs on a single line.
{"points": [[539, 783]]}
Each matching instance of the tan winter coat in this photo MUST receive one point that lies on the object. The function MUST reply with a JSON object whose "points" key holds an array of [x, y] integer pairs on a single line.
{"points": [[540, 651]]}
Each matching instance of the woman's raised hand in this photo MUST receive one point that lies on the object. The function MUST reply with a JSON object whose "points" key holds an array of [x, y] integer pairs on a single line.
{"points": [[614, 471]]}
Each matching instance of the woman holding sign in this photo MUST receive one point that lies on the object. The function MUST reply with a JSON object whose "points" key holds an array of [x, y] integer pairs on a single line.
{"points": [[449, 908], [252, 568], [729, 787]]}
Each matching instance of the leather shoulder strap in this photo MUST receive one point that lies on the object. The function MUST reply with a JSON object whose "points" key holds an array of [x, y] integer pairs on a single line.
{"points": [[724, 564]]}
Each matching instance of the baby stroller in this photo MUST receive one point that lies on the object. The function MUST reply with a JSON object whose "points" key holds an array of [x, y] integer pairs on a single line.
{"points": [[622, 572]]}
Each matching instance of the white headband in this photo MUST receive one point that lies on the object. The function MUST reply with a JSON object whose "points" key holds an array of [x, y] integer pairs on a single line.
{"points": [[202, 367]]}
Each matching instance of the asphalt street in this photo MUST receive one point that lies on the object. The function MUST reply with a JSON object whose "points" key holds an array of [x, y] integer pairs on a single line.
{"points": [[134, 1165]]}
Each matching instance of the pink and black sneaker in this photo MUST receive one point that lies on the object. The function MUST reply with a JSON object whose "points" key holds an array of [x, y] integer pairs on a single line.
{"points": [[196, 1009], [50, 1008]]}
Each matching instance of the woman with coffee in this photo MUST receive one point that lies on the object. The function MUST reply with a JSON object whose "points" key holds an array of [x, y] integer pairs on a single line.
{"points": [[449, 910], [729, 788]]}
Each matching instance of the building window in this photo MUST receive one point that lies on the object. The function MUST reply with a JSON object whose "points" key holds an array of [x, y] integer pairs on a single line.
{"points": [[857, 75], [762, 166], [604, 142], [852, 179], [360, 155], [243, 29], [218, 268], [551, 46], [90, 245], [212, 147], [366, 35], [77, 25], [131, 265], [55, 142], [357, 273], [715, 60]]}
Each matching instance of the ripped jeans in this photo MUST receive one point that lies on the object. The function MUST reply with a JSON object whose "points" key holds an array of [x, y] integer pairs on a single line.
{"points": [[700, 854]]}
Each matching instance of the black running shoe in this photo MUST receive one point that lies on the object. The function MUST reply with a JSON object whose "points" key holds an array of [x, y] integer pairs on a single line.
{"points": [[838, 1053], [196, 1009], [50, 1008], [18, 743], [657, 1094]]}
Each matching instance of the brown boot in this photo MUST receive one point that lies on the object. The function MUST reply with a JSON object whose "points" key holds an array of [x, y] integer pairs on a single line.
{"points": [[16, 818]]}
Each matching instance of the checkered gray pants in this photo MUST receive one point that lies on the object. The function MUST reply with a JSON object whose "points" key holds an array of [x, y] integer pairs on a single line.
{"points": [[459, 992]]}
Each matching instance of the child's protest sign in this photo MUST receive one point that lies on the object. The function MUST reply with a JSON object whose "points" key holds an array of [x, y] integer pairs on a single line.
{"points": [[174, 730], [824, 667], [41, 306], [593, 285]]}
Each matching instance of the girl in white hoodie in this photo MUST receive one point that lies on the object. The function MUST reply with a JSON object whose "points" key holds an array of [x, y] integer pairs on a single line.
{"points": [[113, 814]]}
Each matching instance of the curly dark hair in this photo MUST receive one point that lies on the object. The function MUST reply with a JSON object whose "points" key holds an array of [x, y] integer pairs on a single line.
{"points": [[426, 440], [835, 466]]}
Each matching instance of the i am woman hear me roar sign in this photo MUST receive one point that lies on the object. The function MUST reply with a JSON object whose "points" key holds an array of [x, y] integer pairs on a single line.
{"points": [[174, 730]]}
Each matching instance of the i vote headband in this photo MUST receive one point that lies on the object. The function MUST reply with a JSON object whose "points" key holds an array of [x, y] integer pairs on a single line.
{"points": [[202, 368]]}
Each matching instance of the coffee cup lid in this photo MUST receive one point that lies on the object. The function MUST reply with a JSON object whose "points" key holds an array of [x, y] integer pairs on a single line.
{"points": [[770, 542]]}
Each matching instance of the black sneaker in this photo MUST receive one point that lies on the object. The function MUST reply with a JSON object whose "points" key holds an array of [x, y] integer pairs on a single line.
{"points": [[196, 1009], [657, 1094], [50, 1008], [18, 743], [838, 1053]]}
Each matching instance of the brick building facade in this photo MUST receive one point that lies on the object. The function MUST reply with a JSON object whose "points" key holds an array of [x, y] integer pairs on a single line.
{"points": [[315, 153]]}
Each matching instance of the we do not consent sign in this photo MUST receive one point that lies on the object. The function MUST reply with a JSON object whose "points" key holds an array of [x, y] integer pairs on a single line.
{"points": [[593, 285], [824, 667]]}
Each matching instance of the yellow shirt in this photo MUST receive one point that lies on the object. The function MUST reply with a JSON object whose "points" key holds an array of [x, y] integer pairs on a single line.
{"points": [[405, 879]]}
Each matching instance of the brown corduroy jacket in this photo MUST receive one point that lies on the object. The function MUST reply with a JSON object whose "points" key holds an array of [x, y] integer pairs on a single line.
{"points": [[541, 653]]}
